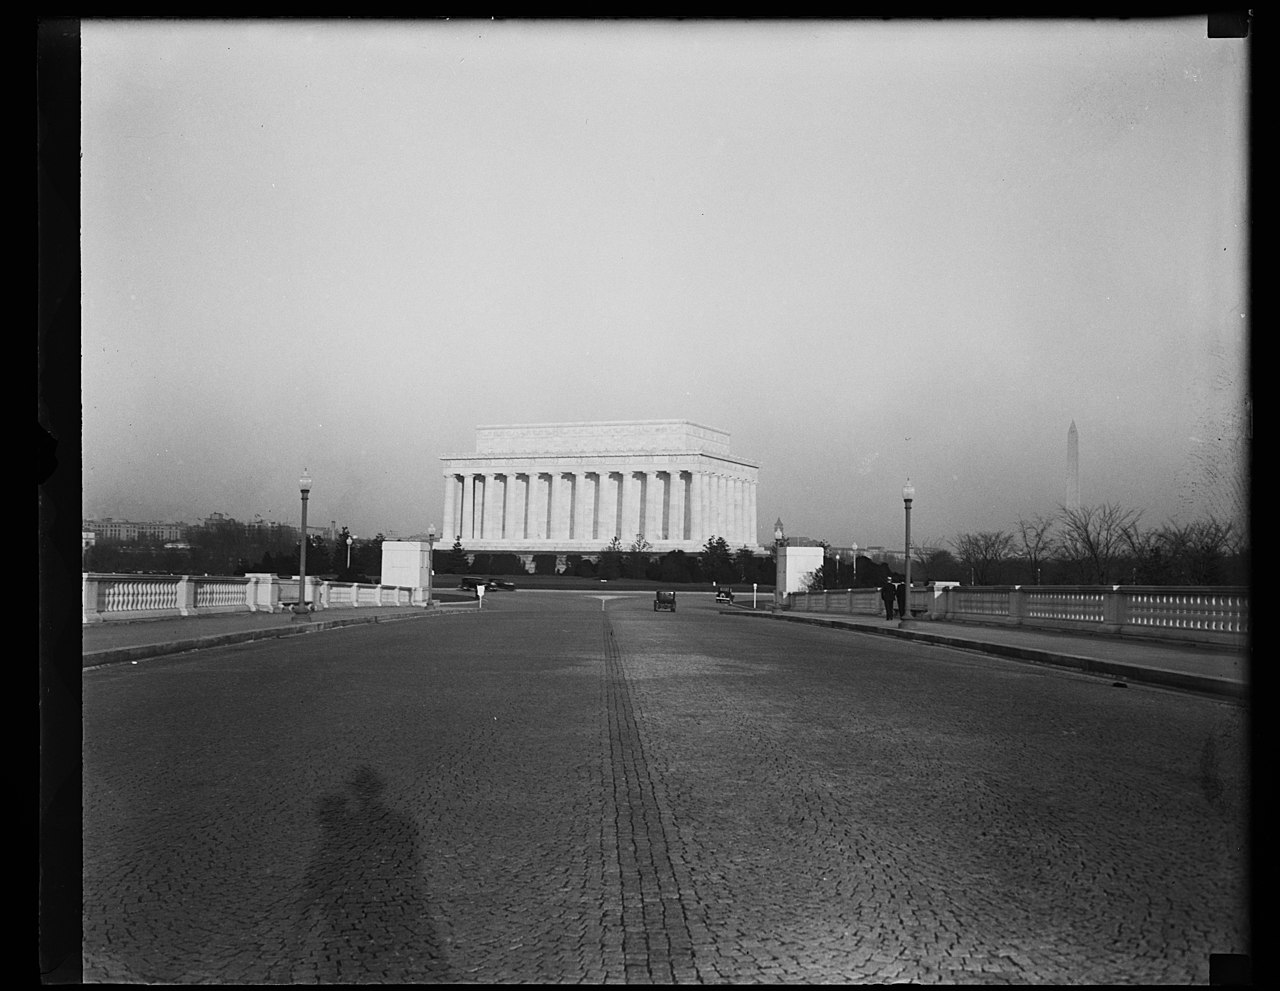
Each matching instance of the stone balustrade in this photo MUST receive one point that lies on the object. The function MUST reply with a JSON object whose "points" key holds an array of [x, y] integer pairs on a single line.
{"points": [[124, 597], [1200, 614]]}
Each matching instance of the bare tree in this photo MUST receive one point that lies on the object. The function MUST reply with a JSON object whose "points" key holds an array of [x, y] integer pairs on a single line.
{"points": [[982, 553], [1182, 553], [1149, 555], [1092, 540], [1036, 535], [935, 562]]}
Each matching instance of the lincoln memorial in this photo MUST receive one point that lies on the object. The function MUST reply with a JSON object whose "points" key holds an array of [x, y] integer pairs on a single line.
{"points": [[573, 487]]}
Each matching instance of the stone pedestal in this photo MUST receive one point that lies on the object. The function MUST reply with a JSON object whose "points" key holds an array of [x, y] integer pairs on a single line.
{"points": [[794, 563], [407, 564]]}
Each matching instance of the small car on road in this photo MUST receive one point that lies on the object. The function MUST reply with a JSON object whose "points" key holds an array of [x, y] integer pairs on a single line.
{"points": [[498, 585], [664, 601], [724, 594]]}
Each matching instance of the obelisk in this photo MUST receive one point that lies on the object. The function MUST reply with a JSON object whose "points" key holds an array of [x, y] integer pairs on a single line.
{"points": [[1073, 468]]}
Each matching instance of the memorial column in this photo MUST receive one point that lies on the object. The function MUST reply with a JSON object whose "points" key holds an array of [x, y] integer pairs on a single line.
{"points": [[477, 507], [542, 504], [713, 528], [588, 506], [484, 512], [568, 491], [698, 517], [738, 514], [522, 505], [729, 529], [726, 490], [556, 526], [485, 503], [676, 529], [450, 522], [731, 508], [468, 505], [509, 519], [664, 505], [537, 506], [652, 506], [629, 518], [607, 512]]}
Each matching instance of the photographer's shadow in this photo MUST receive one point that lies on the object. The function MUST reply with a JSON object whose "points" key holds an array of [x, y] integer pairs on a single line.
{"points": [[365, 898]]}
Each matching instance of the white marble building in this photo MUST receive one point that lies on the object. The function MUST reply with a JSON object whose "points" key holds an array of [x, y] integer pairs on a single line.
{"points": [[573, 487]]}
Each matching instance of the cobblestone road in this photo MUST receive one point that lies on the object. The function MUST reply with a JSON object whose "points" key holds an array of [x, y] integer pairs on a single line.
{"points": [[556, 790]]}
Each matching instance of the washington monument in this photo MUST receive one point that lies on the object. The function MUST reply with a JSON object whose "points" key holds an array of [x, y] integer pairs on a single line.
{"points": [[1073, 468]]}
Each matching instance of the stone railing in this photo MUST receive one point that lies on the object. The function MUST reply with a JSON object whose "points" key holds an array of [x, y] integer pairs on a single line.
{"points": [[1206, 615], [120, 597]]}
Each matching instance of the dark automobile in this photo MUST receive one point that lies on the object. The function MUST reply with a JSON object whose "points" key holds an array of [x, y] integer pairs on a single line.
{"points": [[497, 585], [724, 594], [664, 601], [469, 583]]}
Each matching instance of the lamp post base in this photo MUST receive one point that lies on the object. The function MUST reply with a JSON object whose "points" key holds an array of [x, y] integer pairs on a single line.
{"points": [[300, 611]]}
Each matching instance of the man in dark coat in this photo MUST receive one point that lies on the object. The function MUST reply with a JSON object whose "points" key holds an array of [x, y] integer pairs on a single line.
{"points": [[902, 600], [887, 596]]}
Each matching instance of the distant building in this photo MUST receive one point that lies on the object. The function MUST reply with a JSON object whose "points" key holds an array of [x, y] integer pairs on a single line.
{"points": [[127, 531]]}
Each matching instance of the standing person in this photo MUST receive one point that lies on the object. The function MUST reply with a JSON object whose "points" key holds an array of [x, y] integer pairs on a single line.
{"points": [[902, 600], [887, 596]]}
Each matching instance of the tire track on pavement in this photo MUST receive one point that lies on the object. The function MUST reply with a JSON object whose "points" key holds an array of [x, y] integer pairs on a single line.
{"points": [[645, 932]]}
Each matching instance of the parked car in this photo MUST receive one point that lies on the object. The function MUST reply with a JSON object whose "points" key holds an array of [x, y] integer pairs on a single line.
{"points": [[724, 594], [498, 585], [469, 583], [664, 601]]}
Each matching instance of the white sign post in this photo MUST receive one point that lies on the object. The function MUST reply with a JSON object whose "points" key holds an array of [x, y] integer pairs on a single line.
{"points": [[480, 596], [754, 586]]}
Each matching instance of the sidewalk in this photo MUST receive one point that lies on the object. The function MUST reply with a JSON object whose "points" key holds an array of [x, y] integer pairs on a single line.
{"points": [[113, 642], [1205, 669]]}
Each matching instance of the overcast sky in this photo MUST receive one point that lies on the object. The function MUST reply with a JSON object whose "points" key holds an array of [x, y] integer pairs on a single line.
{"points": [[868, 250]]}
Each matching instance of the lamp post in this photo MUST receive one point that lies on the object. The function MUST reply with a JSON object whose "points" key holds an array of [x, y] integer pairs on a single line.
{"points": [[300, 607], [348, 552], [779, 571], [431, 565], [854, 549], [908, 493]]}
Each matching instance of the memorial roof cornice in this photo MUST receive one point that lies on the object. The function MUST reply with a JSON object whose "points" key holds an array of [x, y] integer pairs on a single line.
{"points": [[581, 456], [601, 423]]}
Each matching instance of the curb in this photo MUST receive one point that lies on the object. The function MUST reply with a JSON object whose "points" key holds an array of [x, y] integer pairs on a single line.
{"points": [[1181, 680], [118, 655]]}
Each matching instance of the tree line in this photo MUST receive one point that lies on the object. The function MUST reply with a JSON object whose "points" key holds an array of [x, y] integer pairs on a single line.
{"points": [[228, 547], [715, 562], [1104, 544]]}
